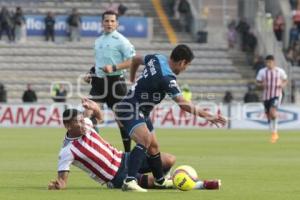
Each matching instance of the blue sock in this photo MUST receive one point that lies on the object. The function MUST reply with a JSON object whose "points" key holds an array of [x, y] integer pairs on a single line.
{"points": [[126, 139], [136, 158], [155, 164]]}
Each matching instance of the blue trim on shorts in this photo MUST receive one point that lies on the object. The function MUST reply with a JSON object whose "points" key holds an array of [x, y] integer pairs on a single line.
{"points": [[135, 126]]}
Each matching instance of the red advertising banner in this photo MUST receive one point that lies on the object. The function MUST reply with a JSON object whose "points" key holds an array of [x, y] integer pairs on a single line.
{"points": [[164, 115], [30, 115]]}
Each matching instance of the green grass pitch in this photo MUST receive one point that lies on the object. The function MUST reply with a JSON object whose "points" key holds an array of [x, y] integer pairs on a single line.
{"points": [[249, 166]]}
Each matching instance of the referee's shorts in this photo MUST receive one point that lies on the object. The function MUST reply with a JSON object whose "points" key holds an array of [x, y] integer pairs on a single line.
{"points": [[109, 89]]}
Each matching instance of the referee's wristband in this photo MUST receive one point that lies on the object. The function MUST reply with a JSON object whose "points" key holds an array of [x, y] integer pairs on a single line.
{"points": [[114, 68]]}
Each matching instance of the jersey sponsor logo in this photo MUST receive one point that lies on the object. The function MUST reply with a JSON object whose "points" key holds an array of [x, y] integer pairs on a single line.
{"points": [[151, 66], [150, 63]]}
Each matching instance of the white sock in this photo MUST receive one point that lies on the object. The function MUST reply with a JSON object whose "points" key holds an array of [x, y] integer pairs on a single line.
{"points": [[199, 185], [274, 125]]}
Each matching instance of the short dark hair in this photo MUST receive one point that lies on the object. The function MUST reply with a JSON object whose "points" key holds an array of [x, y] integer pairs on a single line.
{"points": [[69, 115], [269, 57], [110, 12], [182, 52]]}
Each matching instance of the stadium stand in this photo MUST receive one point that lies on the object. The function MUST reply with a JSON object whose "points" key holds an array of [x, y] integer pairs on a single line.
{"points": [[40, 63], [89, 7]]}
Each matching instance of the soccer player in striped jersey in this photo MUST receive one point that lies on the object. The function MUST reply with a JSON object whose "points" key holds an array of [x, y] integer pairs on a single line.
{"points": [[272, 79], [85, 149]]}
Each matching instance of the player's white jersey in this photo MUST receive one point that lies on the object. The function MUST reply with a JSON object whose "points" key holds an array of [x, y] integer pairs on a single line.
{"points": [[92, 154], [273, 80]]}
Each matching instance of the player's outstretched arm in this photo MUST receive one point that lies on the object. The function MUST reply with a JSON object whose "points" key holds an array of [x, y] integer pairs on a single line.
{"points": [[193, 109], [60, 182], [94, 107]]}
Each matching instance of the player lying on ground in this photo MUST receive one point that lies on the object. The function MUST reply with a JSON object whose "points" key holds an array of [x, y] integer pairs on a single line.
{"points": [[84, 148]]}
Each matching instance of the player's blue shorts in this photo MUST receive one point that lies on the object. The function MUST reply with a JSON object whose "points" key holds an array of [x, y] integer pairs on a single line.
{"points": [[130, 116], [117, 181], [273, 102]]}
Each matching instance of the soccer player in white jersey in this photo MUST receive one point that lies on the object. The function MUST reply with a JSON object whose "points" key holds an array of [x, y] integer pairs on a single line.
{"points": [[85, 149], [272, 79]]}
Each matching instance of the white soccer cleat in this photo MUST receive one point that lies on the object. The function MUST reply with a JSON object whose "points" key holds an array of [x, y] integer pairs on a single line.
{"points": [[167, 184], [132, 186]]}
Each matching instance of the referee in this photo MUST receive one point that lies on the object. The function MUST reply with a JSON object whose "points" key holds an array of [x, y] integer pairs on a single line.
{"points": [[113, 54]]}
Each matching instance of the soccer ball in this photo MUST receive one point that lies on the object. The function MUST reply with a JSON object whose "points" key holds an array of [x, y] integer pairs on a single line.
{"points": [[184, 178]]}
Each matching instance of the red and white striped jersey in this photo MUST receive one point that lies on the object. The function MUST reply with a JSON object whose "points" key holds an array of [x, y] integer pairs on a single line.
{"points": [[92, 154], [272, 79]]}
